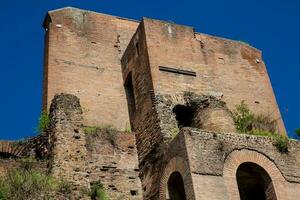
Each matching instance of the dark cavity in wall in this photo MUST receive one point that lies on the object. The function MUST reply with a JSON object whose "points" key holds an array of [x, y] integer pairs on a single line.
{"points": [[130, 95], [184, 115], [176, 187], [254, 183]]}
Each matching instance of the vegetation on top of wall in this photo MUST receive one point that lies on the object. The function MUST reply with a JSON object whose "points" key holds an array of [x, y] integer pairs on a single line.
{"points": [[247, 122], [127, 128], [243, 42], [297, 131], [98, 192], [26, 183], [281, 143], [44, 122], [94, 132], [93, 129]]}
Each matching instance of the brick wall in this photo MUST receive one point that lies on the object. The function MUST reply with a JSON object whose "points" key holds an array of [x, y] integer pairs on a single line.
{"points": [[112, 160], [144, 120], [233, 69], [213, 159], [82, 57], [82, 158]]}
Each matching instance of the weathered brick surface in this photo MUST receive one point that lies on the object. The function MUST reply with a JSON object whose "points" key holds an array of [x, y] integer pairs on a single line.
{"points": [[106, 156], [208, 152], [112, 160], [230, 68], [93, 55], [144, 120], [67, 140], [82, 58], [213, 159]]}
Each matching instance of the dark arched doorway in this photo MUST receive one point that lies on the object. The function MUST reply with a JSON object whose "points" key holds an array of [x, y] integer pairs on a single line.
{"points": [[176, 187], [254, 183]]}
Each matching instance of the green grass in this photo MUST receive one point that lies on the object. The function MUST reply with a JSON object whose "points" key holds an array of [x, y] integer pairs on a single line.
{"points": [[93, 129], [127, 128], [98, 192], [281, 143], [26, 183]]}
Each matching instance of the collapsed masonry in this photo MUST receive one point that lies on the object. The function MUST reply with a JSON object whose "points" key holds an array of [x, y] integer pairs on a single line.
{"points": [[176, 89]]}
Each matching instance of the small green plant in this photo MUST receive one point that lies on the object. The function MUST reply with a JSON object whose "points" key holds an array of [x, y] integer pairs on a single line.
{"points": [[281, 143], [93, 129], [90, 130], [98, 192], [127, 128], [64, 187], [261, 133], [297, 131], [44, 122], [243, 42], [243, 118], [27, 163]]}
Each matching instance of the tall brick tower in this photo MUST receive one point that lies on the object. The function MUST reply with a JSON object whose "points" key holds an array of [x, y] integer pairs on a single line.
{"points": [[176, 88]]}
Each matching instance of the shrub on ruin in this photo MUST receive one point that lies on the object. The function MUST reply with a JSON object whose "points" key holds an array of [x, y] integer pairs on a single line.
{"points": [[98, 192], [247, 122], [281, 143], [243, 118], [44, 122], [27, 183], [297, 131], [260, 125]]}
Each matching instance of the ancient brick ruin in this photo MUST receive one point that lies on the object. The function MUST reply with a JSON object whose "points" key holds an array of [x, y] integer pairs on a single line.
{"points": [[168, 92]]}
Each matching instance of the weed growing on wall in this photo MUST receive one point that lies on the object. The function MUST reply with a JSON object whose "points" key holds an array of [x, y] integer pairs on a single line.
{"points": [[297, 131], [44, 122], [281, 143], [247, 122], [127, 128], [243, 118], [98, 192]]}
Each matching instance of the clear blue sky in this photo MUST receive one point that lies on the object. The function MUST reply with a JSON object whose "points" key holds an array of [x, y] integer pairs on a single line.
{"points": [[272, 26]]}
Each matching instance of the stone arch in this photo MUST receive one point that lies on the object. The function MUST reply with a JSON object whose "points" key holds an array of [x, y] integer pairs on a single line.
{"points": [[176, 165], [8, 149], [238, 157]]}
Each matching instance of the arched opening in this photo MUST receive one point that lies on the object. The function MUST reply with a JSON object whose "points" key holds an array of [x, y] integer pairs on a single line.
{"points": [[184, 115], [254, 183], [176, 187]]}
